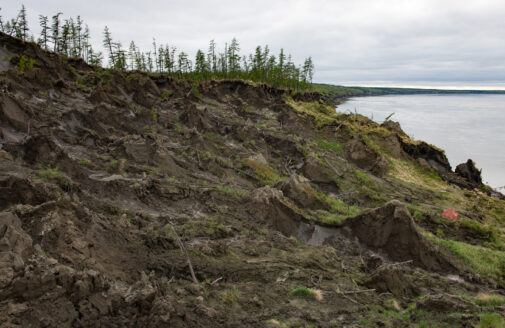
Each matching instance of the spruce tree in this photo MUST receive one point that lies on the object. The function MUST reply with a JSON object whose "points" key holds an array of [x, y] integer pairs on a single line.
{"points": [[23, 24], [211, 56], [44, 33], [200, 65], [55, 32], [2, 28], [107, 43]]}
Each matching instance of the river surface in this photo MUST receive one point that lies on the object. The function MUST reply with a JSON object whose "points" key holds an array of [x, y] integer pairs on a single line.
{"points": [[465, 126]]}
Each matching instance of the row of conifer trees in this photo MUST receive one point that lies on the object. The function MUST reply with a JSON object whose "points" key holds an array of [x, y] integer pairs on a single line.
{"points": [[71, 37]]}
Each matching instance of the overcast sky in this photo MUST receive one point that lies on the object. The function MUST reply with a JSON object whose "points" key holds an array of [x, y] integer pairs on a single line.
{"points": [[364, 42]]}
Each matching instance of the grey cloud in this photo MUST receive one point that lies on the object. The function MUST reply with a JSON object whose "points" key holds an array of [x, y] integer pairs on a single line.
{"points": [[361, 40]]}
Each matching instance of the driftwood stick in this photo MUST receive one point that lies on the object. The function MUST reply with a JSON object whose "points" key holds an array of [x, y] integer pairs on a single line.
{"points": [[185, 252]]}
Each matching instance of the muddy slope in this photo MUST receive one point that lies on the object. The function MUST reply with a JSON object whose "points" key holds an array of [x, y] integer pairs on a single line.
{"points": [[111, 183]]}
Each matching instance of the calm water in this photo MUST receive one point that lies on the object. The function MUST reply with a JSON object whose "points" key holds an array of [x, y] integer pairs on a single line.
{"points": [[465, 126]]}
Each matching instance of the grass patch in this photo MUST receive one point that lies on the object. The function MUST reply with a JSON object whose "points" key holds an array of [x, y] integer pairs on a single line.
{"points": [[54, 175], [410, 173], [484, 299], [481, 260], [363, 178], [372, 144], [266, 174], [331, 146], [323, 114], [232, 192], [491, 320], [306, 292]]}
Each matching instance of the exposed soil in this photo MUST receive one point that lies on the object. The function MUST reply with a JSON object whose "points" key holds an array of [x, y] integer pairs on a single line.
{"points": [[111, 181]]}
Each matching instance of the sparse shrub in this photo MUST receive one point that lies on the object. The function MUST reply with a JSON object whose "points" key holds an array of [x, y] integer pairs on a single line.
{"points": [[418, 215], [113, 166], [25, 64], [230, 296], [196, 92], [154, 113], [233, 192], [166, 94], [84, 162], [206, 155], [105, 76]]}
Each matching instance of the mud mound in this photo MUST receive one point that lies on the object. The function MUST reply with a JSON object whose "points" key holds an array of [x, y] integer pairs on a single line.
{"points": [[317, 172], [359, 153], [11, 112], [300, 191], [269, 207], [390, 230], [394, 127], [391, 279]]}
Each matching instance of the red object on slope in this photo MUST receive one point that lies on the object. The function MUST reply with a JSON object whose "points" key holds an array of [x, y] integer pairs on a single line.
{"points": [[450, 214]]}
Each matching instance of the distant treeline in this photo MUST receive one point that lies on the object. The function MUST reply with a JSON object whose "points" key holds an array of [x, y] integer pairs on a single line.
{"points": [[335, 92], [71, 38]]}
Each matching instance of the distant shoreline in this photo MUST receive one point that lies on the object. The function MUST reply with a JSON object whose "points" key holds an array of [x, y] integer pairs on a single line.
{"points": [[337, 93]]}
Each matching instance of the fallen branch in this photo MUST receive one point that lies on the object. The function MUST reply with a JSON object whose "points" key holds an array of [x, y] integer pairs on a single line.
{"points": [[216, 281], [394, 264], [345, 296], [347, 292], [258, 261], [332, 167], [185, 252]]}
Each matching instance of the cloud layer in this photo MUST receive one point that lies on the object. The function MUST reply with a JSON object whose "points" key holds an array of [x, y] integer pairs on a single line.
{"points": [[361, 40]]}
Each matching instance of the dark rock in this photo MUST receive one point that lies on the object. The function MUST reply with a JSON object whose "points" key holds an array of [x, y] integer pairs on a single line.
{"points": [[433, 156], [470, 172]]}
